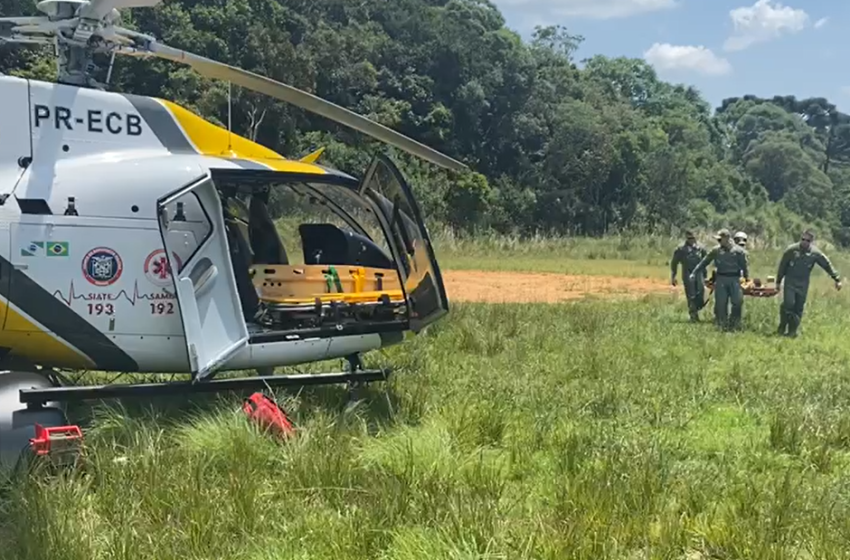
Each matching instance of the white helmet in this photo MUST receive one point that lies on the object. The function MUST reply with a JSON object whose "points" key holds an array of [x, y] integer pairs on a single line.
{"points": [[740, 238]]}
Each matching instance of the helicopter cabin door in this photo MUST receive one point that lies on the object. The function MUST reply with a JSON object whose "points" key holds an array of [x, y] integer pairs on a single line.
{"points": [[193, 232], [384, 185]]}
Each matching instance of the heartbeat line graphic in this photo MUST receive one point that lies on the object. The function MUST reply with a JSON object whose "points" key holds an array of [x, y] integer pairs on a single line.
{"points": [[93, 296]]}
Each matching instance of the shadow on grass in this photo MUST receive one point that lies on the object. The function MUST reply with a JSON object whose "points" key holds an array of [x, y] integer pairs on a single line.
{"points": [[376, 402], [379, 399]]}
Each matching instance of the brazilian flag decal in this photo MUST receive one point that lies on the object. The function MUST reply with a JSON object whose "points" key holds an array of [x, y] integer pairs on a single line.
{"points": [[56, 248]]}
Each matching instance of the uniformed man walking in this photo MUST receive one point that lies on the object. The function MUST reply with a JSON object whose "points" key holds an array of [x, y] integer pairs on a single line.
{"points": [[795, 268], [730, 262], [689, 254]]}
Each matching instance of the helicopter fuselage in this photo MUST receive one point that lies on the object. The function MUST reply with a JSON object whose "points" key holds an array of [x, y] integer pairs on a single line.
{"points": [[118, 253]]}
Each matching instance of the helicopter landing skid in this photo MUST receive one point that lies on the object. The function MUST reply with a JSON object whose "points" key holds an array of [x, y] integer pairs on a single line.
{"points": [[40, 396]]}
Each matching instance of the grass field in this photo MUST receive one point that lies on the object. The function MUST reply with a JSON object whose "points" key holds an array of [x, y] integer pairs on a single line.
{"points": [[588, 429]]}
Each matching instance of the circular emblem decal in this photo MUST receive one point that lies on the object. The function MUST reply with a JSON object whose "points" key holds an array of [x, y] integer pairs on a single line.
{"points": [[157, 270], [102, 266]]}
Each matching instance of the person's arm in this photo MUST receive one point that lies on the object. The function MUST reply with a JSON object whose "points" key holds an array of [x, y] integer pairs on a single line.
{"points": [[745, 265], [674, 265], [704, 262], [783, 266], [826, 265]]}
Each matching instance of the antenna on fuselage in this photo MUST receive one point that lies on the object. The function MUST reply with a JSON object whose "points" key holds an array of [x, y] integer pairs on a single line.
{"points": [[109, 72], [229, 111]]}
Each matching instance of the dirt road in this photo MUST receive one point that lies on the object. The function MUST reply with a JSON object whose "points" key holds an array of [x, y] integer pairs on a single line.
{"points": [[515, 287]]}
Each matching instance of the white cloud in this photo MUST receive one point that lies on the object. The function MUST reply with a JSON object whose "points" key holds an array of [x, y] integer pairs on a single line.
{"points": [[821, 22], [594, 9], [666, 57], [764, 21]]}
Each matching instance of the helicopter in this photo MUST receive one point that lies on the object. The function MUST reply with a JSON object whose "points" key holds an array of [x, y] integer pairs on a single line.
{"points": [[136, 237]]}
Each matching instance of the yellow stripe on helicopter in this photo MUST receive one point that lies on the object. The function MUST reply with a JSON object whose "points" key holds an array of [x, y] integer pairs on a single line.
{"points": [[212, 140], [26, 339]]}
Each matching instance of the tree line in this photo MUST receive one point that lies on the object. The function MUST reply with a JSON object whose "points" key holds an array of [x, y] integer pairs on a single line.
{"points": [[555, 145]]}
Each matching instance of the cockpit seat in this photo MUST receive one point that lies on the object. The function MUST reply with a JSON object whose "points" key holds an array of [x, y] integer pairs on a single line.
{"points": [[240, 258], [264, 238], [328, 244]]}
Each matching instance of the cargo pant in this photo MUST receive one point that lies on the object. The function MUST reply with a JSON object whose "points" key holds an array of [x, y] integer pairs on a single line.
{"points": [[727, 289], [695, 292], [791, 308]]}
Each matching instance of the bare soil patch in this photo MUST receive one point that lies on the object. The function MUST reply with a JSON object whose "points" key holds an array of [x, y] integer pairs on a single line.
{"points": [[525, 287]]}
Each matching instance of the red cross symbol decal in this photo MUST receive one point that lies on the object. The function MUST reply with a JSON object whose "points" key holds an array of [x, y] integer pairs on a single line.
{"points": [[161, 268]]}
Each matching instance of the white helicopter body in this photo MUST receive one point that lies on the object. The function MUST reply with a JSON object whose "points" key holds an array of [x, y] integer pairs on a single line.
{"points": [[136, 237], [93, 289]]}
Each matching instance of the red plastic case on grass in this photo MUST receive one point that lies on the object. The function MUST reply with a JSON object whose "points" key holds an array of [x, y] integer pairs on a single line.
{"points": [[265, 412]]}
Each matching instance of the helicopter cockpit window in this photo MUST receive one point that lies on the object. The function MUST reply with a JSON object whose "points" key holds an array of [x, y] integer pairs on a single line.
{"points": [[385, 184], [385, 190], [347, 201], [329, 224], [186, 226]]}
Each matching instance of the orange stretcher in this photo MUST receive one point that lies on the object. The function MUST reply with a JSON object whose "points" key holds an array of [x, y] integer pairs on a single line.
{"points": [[756, 290], [753, 288]]}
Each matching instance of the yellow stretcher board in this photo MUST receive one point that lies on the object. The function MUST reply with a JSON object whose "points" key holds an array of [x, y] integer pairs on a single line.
{"points": [[361, 297], [304, 284]]}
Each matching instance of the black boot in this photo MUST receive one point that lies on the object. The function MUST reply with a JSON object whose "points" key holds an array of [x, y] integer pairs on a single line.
{"points": [[783, 322], [693, 311], [793, 324], [735, 318]]}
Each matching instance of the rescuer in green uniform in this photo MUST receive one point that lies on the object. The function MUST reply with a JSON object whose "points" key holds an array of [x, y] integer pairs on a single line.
{"points": [[730, 262], [795, 268], [689, 254]]}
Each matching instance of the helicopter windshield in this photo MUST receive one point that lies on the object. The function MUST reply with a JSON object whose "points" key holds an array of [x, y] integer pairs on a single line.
{"points": [[274, 221]]}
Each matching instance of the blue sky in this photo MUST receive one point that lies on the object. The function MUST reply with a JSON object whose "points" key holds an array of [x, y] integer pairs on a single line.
{"points": [[724, 48]]}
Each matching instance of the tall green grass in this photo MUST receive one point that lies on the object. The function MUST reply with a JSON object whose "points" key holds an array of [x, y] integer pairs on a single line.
{"points": [[627, 255], [646, 256], [587, 430]]}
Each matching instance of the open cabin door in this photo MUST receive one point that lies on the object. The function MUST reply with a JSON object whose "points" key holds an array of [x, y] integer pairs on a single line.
{"points": [[384, 185], [191, 223]]}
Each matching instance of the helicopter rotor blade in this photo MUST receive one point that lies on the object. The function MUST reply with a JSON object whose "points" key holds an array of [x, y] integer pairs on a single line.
{"points": [[25, 20], [99, 9], [213, 69]]}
